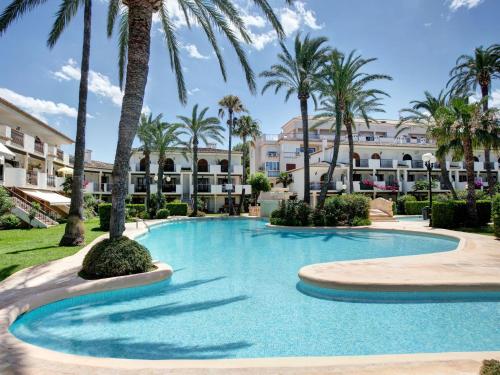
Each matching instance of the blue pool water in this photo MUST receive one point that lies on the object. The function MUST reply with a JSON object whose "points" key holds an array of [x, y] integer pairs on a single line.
{"points": [[234, 294]]}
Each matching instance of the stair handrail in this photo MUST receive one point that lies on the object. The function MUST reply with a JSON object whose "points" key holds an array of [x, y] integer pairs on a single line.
{"points": [[50, 214], [27, 208]]}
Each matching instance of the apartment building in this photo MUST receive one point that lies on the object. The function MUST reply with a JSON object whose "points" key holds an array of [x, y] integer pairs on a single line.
{"points": [[386, 162]]}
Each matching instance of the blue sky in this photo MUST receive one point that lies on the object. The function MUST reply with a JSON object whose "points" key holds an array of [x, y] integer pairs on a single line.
{"points": [[415, 41]]}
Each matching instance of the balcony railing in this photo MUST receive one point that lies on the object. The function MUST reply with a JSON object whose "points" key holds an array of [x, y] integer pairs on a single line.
{"points": [[17, 137], [39, 147], [273, 173], [491, 164], [32, 178], [168, 188], [203, 188], [51, 181], [225, 189], [362, 163], [319, 185], [140, 188], [386, 163], [417, 164], [105, 187]]}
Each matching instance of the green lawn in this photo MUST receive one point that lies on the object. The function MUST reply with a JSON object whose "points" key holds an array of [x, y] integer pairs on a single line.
{"points": [[21, 248]]}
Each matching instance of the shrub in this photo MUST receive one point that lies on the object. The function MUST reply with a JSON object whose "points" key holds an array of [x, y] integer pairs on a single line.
{"points": [[131, 210], [116, 257], [135, 210], [400, 203], [6, 203], [347, 209], [291, 213], [495, 214], [453, 214], [177, 208], [415, 207], [198, 214], [259, 183], [318, 218], [357, 222], [9, 221], [424, 185], [490, 367], [162, 213]]}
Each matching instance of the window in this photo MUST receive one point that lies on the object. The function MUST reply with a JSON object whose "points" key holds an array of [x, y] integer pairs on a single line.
{"points": [[202, 165], [380, 177], [272, 166], [356, 177], [311, 149], [462, 178], [289, 167], [407, 157], [411, 177], [272, 154]]}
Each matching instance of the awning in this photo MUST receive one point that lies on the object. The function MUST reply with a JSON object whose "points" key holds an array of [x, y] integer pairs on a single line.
{"points": [[53, 199], [65, 171], [5, 151]]}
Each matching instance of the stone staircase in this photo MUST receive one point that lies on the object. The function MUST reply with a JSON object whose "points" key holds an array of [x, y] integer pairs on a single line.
{"points": [[381, 210], [378, 215], [22, 210]]}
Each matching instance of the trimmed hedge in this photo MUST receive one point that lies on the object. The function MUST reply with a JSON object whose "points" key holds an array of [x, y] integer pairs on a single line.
{"points": [[415, 207], [400, 203], [132, 210], [453, 214], [495, 214], [116, 257], [162, 213], [177, 208]]}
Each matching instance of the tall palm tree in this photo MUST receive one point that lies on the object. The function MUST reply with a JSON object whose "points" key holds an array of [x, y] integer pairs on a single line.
{"points": [[246, 127], [74, 233], [473, 71], [164, 136], [424, 113], [298, 74], [343, 88], [198, 127], [230, 104], [134, 47], [145, 134]]}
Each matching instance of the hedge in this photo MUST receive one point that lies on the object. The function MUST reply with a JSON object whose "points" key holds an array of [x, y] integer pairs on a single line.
{"points": [[133, 210], [453, 214], [415, 207], [495, 214], [177, 208]]}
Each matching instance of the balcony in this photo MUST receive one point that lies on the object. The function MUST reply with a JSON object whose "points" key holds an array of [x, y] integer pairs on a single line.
{"points": [[361, 163], [273, 173], [417, 164], [17, 137], [51, 181], [168, 188], [106, 187], [317, 186], [39, 147], [225, 189], [60, 154], [386, 163], [32, 178], [204, 188], [140, 188]]}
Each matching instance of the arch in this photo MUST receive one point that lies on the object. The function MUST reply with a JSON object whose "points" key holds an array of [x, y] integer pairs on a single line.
{"points": [[357, 159], [169, 165], [407, 157], [323, 177], [223, 165], [202, 165], [142, 164], [476, 158], [375, 156]]}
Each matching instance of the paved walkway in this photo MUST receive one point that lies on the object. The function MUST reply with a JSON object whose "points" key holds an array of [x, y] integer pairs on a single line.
{"points": [[475, 263]]}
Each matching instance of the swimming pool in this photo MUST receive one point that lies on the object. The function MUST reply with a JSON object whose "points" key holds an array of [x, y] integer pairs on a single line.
{"points": [[234, 294]]}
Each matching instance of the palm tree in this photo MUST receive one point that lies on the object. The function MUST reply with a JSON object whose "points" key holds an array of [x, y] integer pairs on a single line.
{"points": [[230, 104], [163, 137], [197, 128], [134, 48], [145, 135], [74, 233], [284, 179], [343, 89], [423, 113], [298, 74], [463, 121], [471, 72]]}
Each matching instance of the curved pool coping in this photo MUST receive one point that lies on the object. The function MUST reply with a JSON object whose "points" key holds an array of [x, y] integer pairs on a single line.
{"points": [[20, 357]]}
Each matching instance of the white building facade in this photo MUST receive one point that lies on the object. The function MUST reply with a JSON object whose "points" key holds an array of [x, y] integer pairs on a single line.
{"points": [[385, 162]]}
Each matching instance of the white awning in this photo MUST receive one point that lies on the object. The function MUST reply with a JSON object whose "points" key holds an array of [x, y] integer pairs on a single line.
{"points": [[5, 151], [51, 198]]}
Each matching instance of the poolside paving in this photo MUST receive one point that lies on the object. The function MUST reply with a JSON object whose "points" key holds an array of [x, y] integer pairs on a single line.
{"points": [[475, 264]]}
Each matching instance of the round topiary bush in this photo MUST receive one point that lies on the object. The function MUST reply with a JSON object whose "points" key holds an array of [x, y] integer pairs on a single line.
{"points": [[117, 257], [9, 221], [162, 213]]}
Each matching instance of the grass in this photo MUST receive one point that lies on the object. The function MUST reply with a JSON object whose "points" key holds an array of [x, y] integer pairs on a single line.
{"points": [[22, 248]]}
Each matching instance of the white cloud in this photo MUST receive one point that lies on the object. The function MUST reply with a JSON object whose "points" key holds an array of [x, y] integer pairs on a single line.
{"points": [[495, 98], [428, 24], [145, 109], [193, 52], [253, 20], [37, 107], [307, 16], [469, 4], [99, 84], [193, 91]]}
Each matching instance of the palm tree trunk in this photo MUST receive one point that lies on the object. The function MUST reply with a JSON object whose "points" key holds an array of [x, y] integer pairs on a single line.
{"points": [[446, 178], [244, 175], [74, 233], [230, 199], [471, 189], [147, 178], [350, 140], [140, 14], [331, 168], [305, 136], [195, 176], [159, 183], [487, 150]]}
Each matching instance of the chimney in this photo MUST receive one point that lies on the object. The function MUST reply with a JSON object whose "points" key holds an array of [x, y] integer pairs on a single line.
{"points": [[88, 156]]}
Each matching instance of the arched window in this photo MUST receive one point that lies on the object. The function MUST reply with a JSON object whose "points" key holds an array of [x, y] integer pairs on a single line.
{"points": [[476, 158], [407, 157], [142, 165], [375, 156], [169, 165], [38, 145], [202, 165], [357, 159], [223, 165]]}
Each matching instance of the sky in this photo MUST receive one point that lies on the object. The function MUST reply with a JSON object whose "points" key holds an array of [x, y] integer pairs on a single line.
{"points": [[415, 41]]}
